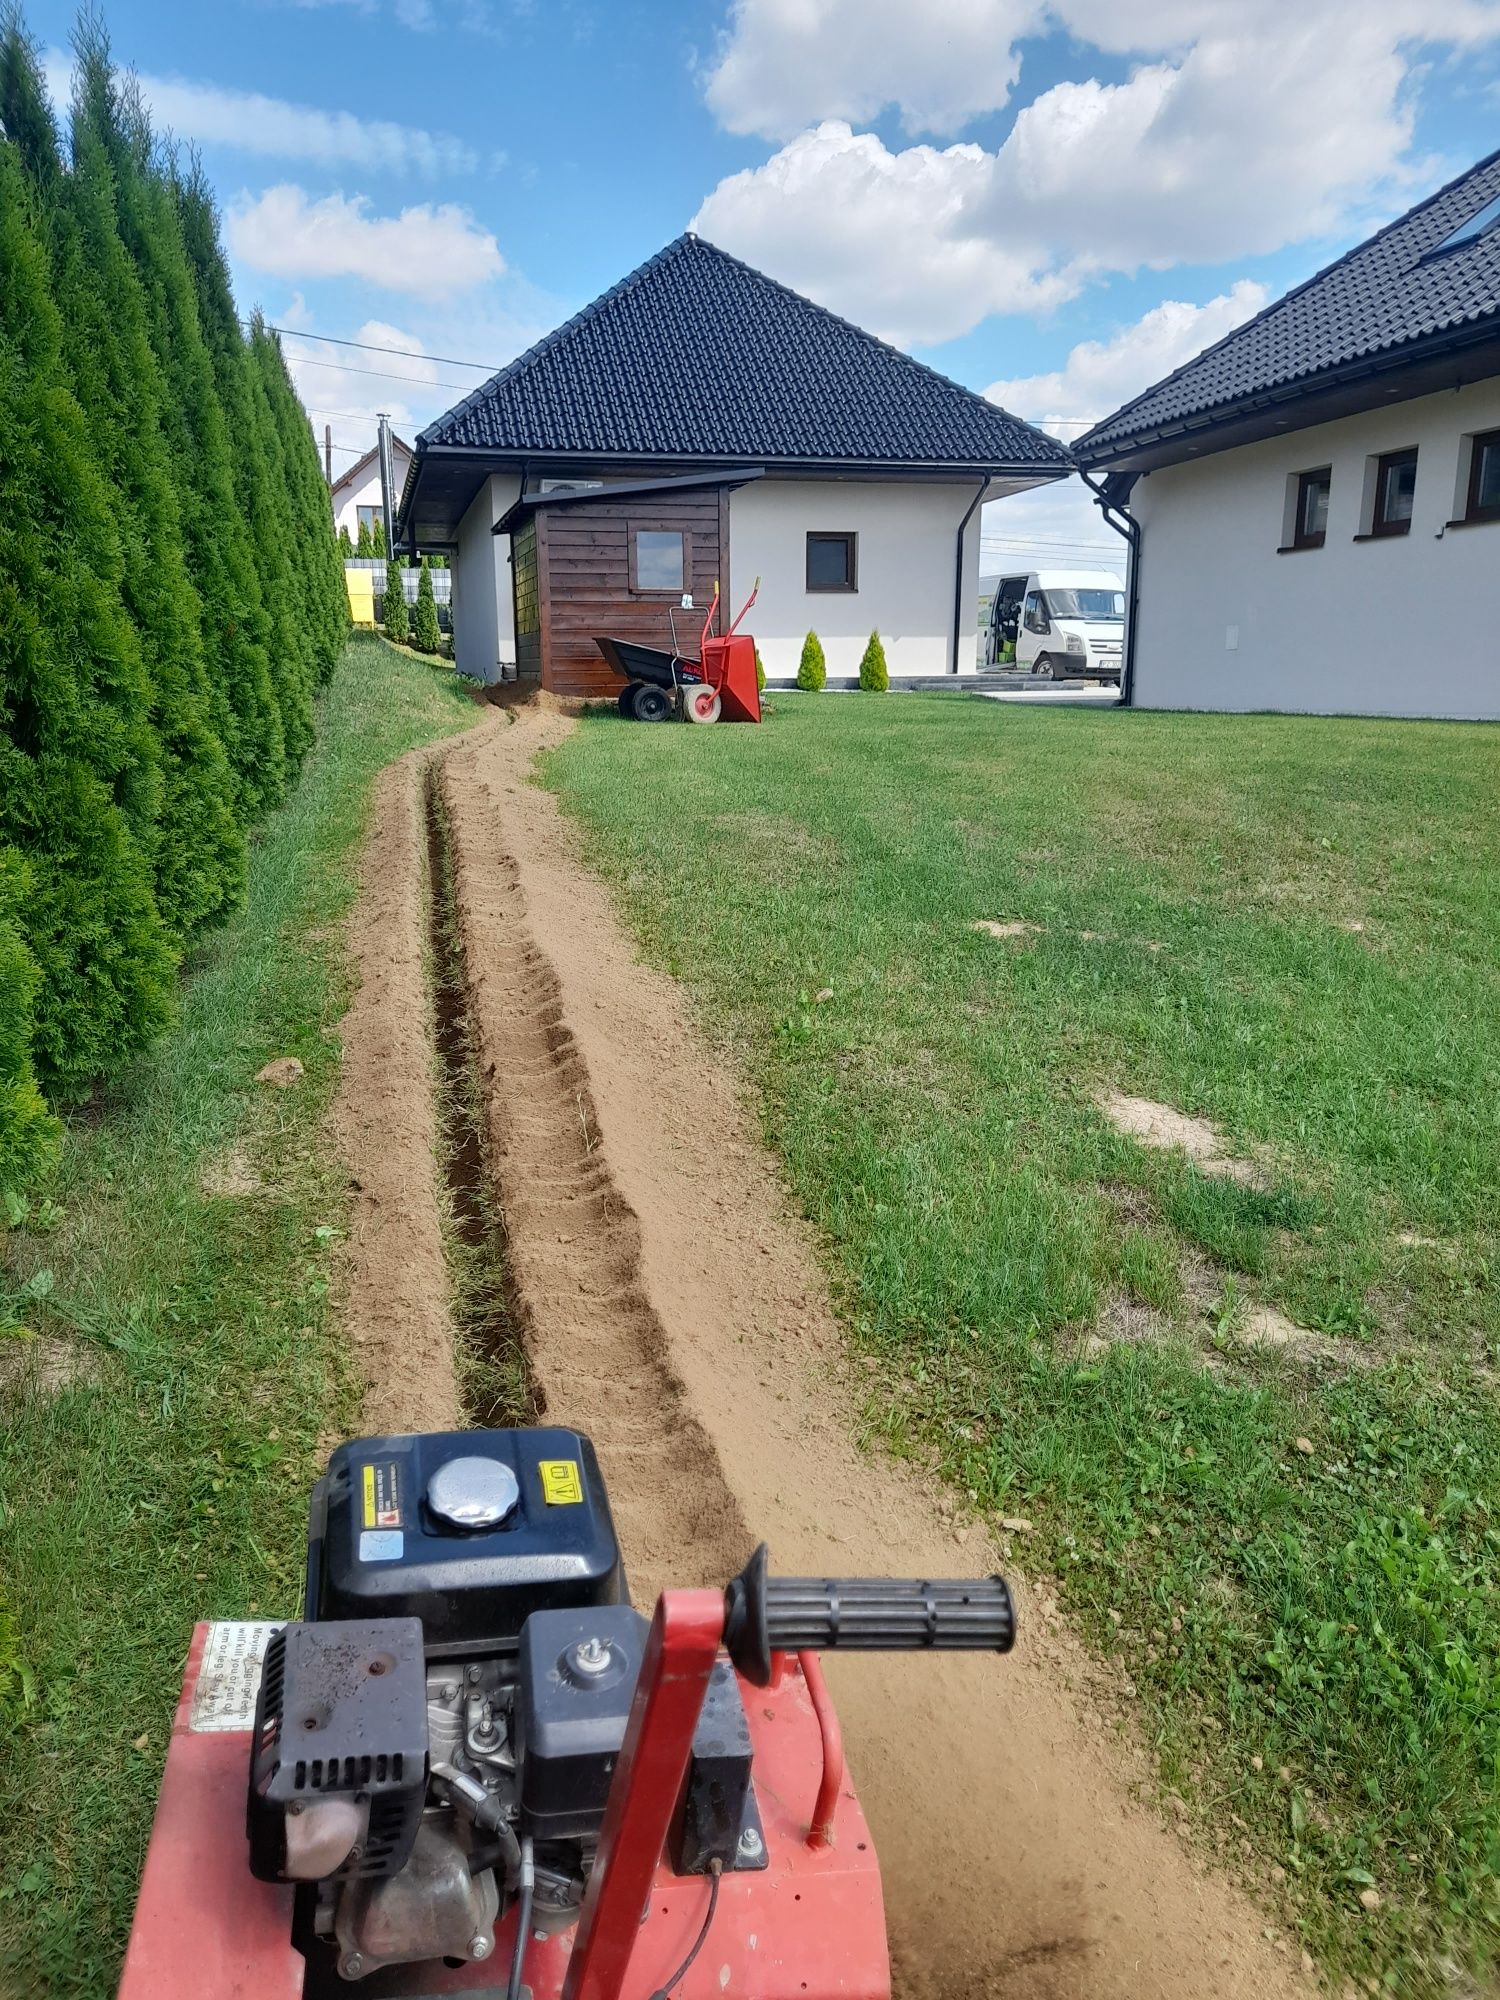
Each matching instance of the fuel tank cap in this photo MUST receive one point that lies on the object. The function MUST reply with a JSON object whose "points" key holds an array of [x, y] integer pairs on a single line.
{"points": [[473, 1492]]}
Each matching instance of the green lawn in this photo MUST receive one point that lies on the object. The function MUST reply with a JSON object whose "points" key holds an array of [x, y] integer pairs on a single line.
{"points": [[199, 1349], [1289, 927]]}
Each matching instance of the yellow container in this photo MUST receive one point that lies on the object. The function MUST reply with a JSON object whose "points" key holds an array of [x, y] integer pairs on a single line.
{"points": [[360, 584]]}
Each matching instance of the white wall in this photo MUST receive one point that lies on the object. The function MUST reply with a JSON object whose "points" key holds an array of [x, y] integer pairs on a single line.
{"points": [[907, 539], [1401, 626], [365, 492], [484, 626]]}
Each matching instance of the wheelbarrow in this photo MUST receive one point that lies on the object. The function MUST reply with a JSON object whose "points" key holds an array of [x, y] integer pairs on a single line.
{"points": [[718, 684]]}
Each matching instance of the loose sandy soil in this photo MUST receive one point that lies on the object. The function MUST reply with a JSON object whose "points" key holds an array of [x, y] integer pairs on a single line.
{"points": [[674, 1308]]}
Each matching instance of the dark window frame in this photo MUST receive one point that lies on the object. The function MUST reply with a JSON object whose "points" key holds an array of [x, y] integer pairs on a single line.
{"points": [[1321, 475], [850, 539], [1479, 444], [1381, 527], [638, 589]]}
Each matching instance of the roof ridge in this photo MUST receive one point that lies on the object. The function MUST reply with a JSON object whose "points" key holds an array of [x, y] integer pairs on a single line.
{"points": [[863, 333], [1276, 305], [548, 341]]}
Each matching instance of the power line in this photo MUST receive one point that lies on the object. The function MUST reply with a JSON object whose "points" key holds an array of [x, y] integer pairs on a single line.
{"points": [[380, 374], [373, 347]]}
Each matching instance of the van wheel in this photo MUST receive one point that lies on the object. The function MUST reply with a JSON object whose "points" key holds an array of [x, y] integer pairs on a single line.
{"points": [[1042, 667]]}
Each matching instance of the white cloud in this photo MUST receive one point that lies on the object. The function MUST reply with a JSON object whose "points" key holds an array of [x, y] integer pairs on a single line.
{"points": [[892, 240], [275, 128], [1250, 127], [786, 64], [1099, 375], [431, 251]]}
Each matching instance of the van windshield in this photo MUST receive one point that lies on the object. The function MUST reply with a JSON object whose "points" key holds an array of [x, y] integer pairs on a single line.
{"points": [[1086, 603]]}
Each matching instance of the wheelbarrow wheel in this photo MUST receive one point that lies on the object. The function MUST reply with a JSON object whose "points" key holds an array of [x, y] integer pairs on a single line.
{"points": [[625, 699], [701, 704], [650, 704]]}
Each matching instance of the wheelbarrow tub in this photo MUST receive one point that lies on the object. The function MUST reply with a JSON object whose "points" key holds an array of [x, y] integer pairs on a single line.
{"points": [[646, 663]]}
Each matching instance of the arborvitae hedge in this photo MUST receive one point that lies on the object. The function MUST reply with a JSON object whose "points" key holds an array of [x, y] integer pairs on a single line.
{"points": [[425, 635], [170, 586]]}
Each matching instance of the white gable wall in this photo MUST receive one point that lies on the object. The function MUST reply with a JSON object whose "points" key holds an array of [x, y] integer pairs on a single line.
{"points": [[349, 497], [907, 543], [484, 629], [1406, 625]]}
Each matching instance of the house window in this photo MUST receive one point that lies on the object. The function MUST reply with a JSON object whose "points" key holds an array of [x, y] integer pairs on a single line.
{"points": [[371, 518], [658, 560], [1484, 478], [832, 562], [1310, 528], [1395, 490]]}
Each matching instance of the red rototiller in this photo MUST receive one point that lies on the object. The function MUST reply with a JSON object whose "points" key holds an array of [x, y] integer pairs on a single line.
{"points": [[718, 684], [475, 1768]]}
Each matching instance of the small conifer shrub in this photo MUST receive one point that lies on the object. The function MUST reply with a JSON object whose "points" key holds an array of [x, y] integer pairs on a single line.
{"points": [[812, 668], [874, 675]]}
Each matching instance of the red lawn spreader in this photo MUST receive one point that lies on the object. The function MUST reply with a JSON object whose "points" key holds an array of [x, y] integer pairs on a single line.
{"points": [[475, 1769], [720, 684]]}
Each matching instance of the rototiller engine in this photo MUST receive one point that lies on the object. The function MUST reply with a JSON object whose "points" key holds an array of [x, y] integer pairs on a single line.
{"points": [[474, 1768]]}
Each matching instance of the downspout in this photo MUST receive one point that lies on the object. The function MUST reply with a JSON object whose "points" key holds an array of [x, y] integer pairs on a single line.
{"points": [[958, 568], [1127, 525]]}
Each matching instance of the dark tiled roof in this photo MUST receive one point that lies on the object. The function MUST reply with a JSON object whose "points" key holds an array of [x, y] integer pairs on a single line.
{"points": [[1388, 294], [695, 355]]}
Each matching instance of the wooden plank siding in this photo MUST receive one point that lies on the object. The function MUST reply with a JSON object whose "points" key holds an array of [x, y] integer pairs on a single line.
{"points": [[527, 605], [582, 571]]}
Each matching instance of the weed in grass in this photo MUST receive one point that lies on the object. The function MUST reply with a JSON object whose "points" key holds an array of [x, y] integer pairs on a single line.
{"points": [[1332, 1612], [171, 1484]]}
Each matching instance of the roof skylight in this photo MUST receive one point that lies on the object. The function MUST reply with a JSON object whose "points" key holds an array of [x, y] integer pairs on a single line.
{"points": [[1467, 232]]}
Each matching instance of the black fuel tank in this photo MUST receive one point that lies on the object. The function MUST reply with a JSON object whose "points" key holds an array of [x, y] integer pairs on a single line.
{"points": [[470, 1531]]}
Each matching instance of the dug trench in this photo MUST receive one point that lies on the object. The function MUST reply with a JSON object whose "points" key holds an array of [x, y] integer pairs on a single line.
{"points": [[671, 1305]]}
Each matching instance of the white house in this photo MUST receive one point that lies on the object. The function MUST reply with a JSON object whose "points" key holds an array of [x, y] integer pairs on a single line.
{"points": [[697, 424], [356, 495], [1316, 499]]}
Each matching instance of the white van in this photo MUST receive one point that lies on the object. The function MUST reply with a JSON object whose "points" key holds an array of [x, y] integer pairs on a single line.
{"points": [[1062, 623]]}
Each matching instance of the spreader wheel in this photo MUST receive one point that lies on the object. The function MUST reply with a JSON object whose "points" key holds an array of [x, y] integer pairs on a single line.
{"points": [[625, 699], [701, 704], [649, 703]]}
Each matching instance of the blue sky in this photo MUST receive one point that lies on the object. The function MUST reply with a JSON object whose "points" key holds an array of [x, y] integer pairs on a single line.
{"points": [[1054, 200]]}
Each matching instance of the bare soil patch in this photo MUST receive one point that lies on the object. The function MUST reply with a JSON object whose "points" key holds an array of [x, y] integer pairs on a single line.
{"points": [[1159, 1126], [674, 1309]]}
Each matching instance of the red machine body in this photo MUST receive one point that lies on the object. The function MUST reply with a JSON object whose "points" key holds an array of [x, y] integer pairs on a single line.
{"points": [[808, 1926], [729, 666]]}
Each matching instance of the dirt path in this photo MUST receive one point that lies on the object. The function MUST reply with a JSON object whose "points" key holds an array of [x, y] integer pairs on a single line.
{"points": [[675, 1310]]}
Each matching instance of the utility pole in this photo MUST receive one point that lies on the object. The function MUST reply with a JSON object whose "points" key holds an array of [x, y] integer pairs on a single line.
{"points": [[328, 453]]}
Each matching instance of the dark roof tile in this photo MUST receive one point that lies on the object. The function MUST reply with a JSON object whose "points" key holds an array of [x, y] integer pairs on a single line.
{"points": [[1388, 293], [696, 355]]}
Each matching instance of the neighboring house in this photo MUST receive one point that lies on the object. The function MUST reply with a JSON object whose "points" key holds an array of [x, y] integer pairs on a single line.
{"points": [[1318, 496], [356, 493], [698, 423]]}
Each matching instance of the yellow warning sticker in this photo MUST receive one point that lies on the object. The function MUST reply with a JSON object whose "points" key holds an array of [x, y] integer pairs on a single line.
{"points": [[562, 1482], [369, 1496]]}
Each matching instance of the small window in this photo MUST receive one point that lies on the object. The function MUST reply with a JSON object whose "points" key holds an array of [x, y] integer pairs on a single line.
{"points": [[1484, 478], [368, 517], [1395, 491], [658, 560], [833, 562], [1310, 529], [1469, 230]]}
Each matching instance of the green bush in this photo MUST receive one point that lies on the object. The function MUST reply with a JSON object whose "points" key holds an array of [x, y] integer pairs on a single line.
{"points": [[362, 546], [874, 675], [812, 668], [396, 624], [346, 547], [760, 672], [425, 635]]}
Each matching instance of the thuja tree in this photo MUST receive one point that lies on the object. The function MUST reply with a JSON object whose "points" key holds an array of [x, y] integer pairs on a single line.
{"points": [[307, 498], [395, 620], [28, 1136], [874, 675], [812, 669], [425, 635], [75, 741], [346, 547]]}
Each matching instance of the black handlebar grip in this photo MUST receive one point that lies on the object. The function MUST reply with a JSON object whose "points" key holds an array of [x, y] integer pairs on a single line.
{"points": [[788, 1614]]}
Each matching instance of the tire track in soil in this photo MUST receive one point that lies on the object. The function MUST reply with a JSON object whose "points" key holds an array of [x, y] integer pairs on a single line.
{"points": [[673, 1308]]}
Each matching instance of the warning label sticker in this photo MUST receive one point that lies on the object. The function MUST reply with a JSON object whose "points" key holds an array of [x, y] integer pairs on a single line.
{"points": [[381, 1545], [229, 1675], [380, 1494], [562, 1482]]}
